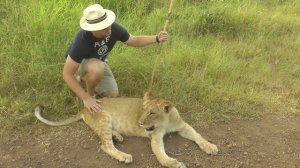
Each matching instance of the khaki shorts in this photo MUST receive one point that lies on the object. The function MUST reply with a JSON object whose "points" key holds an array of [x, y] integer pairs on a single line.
{"points": [[108, 82]]}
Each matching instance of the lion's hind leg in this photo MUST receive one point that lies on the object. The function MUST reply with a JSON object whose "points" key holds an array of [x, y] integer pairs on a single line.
{"points": [[102, 126], [108, 147], [189, 132], [117, 136]]}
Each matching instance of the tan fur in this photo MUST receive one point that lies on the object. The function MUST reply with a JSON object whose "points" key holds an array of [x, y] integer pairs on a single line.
{"points": [[152, 118]]}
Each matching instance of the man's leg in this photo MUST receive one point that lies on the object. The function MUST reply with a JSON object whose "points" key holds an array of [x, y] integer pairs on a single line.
{"points": [[92, 71], [108, 86]]}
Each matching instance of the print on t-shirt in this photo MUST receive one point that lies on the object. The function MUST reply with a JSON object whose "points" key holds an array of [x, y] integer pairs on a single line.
{"points": [[102, 47]]}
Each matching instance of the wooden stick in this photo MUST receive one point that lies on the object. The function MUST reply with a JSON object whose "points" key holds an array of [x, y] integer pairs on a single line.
{"points": [[168, 15], [160, 47]]}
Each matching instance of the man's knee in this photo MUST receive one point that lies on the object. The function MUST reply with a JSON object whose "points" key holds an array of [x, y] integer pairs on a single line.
{"points": [[94, 70]]}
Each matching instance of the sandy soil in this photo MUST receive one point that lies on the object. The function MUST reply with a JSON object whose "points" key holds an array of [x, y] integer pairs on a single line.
{"points": [[269, 142]]}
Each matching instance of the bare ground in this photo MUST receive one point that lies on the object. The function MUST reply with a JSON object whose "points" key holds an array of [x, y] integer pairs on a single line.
{"points": [[271, 141]]}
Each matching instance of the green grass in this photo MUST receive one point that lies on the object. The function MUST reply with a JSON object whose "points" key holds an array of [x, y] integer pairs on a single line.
{"points": [[224, 59]]}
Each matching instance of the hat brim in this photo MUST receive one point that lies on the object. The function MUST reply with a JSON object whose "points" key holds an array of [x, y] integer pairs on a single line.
{"points": [[98, 26]]}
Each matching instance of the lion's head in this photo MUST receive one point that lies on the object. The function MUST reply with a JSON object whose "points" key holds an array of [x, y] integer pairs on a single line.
{"points": [[155, 113]]}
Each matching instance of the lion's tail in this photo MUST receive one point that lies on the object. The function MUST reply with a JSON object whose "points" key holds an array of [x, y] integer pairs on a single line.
{"points": [[37, 113]]}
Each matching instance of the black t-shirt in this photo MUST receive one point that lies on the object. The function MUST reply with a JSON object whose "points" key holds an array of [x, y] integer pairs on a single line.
{"points": [[85, 45]]}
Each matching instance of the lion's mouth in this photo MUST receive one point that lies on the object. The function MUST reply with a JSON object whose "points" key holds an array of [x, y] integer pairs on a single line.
{"points": [[150, 128]]}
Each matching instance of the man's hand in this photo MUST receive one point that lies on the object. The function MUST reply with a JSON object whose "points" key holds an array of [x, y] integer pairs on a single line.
{"points": [[162, 36], [93, 105]]}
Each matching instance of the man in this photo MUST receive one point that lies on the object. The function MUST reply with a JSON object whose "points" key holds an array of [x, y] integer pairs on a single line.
{"points": [[87, 55]]}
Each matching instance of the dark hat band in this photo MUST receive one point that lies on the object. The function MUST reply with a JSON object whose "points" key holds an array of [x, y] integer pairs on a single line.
{"points": [[97, 20]]}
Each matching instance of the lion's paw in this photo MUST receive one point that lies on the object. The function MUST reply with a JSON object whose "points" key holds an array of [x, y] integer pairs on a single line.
{"points": [[117, 136], [126, 158], [176, 164], [210, 148]]}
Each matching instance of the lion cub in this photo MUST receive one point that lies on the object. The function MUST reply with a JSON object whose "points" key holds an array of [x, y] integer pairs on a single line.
{"points": [[152, 118]]}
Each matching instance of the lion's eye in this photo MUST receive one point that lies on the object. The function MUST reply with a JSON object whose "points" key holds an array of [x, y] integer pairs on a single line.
{"points": [[151, 113]]}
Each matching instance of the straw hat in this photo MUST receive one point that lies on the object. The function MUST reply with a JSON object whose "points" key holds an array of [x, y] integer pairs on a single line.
{"points": [[96, 18]]}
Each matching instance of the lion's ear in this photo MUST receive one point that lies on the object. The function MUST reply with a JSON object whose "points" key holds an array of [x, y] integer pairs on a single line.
{"points": [[167, 106], [146, 98]]}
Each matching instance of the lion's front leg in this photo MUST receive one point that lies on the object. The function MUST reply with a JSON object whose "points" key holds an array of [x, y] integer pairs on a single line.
{"points": [[158, 149], [189, 132]]}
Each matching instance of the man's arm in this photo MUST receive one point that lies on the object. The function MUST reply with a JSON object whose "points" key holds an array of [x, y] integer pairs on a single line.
{"points": [[141, 41], [69, 70]]}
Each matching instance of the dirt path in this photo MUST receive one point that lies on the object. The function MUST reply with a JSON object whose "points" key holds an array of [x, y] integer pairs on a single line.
{"points": [[272, 141]]}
